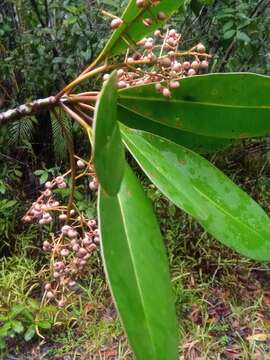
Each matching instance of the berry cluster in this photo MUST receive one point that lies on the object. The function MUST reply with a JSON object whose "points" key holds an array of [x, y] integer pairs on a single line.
{"points": [[71, 246], [168, 64], [69, 253]]}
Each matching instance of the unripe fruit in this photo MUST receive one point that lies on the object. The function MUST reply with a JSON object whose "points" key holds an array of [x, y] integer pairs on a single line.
{"points": [[191, 72], [204, 64], [48, 185], [171, 41], [157, 33], [50, 295], [47, 193], [116, 23], [82, 252], [195, 65], [42, 221], [59, 265], [56, 275], [72, 212], [148, 45], [47, 286], [158, 86], [92, 247], [200, 48], [105, 78], [65, 229], [121, 84], [61, 303], [86, 241], [177, 66], [165, 62], [97, 239], [186, 65], [93, 186], [140, 3], [76, 247], [147, 22], [172, 32], [166, 92], [63, 217], [96, 232], [27, 219], [62, 185], [174, 84], [72, 233], [92, 223], [80, 163], [46, 243], [161, 15], [64, 252], [59, 179], [72, 283]]}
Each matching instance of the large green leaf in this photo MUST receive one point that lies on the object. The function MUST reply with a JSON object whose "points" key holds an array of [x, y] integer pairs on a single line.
{"points": [[203, 191], [109, 156], [220, 105], [137, 270], [132, 30], [198, 143]]}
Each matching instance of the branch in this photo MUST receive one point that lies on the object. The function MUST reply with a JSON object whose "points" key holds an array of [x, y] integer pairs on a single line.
{"points": [[28, 109]]}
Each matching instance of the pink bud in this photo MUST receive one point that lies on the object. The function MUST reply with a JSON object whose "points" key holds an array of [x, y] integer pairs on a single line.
{"points": [[48, 185], [200, 48], [166, 92], [63, 217]]}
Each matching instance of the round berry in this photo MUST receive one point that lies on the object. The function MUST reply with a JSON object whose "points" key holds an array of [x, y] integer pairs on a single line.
{"points": [[116, 23]]}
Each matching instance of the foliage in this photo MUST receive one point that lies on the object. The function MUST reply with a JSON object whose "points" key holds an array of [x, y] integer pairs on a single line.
{"points": [[215, 109]]}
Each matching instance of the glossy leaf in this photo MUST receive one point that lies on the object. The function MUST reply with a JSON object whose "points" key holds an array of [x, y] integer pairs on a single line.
{"points": [[137, 270], [198, 143], [132, 30], [109, 156], [203, 191], [220, 105]]}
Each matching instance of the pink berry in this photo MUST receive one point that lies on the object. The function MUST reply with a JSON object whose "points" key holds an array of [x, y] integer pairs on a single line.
{"points": [[140, 3], [191, 72], [186, 65], [147, 22], [174, 84], [204, 64], [200, 48], [195, 65], [65, 229], [72, 233], [63, 217], [50, 295], [80, 164], [48, 185], [161, 15], [47, 286], [62, 185], [116, 23], [166, 92], [64, 252]]}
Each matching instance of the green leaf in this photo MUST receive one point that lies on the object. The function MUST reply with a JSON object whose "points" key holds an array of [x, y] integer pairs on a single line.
{"points": [[229, 34], [109, 155], [137, 270], [30, 333], [17, 326], [198, 143], [132, 30], [217, 105], [16, 310], [44, 324], [2, 344], [200, 189]]}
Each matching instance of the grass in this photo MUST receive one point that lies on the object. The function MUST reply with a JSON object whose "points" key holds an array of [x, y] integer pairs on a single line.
{"points": [[222, 299]]}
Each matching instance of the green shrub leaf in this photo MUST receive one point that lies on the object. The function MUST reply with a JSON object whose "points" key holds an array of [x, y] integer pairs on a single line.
{"points": [[220, 105], [109, 156], [200, 189], [137, 270], [199, 143]]}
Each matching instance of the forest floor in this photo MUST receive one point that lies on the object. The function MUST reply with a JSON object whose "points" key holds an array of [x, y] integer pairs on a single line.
{"points": [[222, 299]]}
